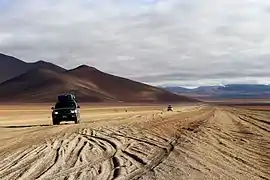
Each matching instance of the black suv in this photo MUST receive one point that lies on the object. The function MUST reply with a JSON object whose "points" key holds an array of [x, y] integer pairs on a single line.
{"points": [[66, 111]]}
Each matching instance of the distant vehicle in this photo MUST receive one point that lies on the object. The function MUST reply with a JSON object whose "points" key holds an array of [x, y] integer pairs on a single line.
{"points": [[66, 109], [170, 108]]}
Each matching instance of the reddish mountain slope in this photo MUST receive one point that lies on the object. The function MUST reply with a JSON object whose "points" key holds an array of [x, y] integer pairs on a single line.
{"points": [[123, 89], [11, 67], [89, 84], [43, 85]]}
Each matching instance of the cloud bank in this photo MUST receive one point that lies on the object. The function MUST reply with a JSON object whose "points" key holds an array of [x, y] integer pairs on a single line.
{"points": [[189, 43]]}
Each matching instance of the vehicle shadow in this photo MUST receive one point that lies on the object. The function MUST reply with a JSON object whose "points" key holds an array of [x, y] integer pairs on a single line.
{"points": [[36, 125]]}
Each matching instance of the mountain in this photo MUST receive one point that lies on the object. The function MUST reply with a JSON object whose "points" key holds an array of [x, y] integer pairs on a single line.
{"points": [[89, 84], [177, 89], [43, 85], [244, 91], [230, 91], [124, 89], [11, 67]]}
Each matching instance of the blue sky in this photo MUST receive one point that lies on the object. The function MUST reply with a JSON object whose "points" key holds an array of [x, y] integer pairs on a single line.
{"points": [[4, 4], [188, 43]]}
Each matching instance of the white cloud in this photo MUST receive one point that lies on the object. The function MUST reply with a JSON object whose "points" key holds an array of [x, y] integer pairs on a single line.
{"points": [[193, 42]]}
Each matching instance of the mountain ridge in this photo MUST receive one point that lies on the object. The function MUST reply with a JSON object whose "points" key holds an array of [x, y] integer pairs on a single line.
{"points": [[11, 67], [46, 81], [229, 91]]}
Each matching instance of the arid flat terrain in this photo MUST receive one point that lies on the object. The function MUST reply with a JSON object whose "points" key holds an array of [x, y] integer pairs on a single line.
{"points": [[135, 142]]}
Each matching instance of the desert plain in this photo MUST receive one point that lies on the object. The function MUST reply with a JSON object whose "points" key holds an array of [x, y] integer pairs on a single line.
{"points": [[196, 141]]}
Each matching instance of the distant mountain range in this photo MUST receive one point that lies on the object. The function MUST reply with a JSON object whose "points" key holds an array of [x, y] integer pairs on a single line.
{"points": [[230, 91], [43, 82]]}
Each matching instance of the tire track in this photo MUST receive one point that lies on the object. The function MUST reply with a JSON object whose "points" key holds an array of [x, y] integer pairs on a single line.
{"points": [[218, 151], [88, 153], [121, 152], [210, 143]]}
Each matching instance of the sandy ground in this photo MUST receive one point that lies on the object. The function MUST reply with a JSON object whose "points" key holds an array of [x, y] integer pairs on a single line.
{"points": [[193, 142]]}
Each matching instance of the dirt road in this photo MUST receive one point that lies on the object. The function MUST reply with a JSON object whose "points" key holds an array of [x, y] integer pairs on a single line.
{"points": [[194, 142]]}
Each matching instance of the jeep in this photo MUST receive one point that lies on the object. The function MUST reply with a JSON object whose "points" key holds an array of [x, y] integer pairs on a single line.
{"points": [[66, 111]]}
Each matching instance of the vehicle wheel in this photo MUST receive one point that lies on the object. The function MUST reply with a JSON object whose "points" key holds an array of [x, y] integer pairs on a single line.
{"points": [[56, 122]]}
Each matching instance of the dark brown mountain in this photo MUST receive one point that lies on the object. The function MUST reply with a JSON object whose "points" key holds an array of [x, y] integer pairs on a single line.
{"points": [[123, 89], [43, 85], [89, 84], [11, 67]]}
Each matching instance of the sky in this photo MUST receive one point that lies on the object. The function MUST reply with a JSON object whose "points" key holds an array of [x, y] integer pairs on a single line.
{"points": [[160, 42]]}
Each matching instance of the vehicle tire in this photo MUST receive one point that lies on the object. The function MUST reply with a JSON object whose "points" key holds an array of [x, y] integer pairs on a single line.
{"points": [[56, 122], [76, 121]]}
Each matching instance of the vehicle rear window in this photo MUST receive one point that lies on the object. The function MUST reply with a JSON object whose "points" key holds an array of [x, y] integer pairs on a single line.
{"points": [[65, 105]]}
